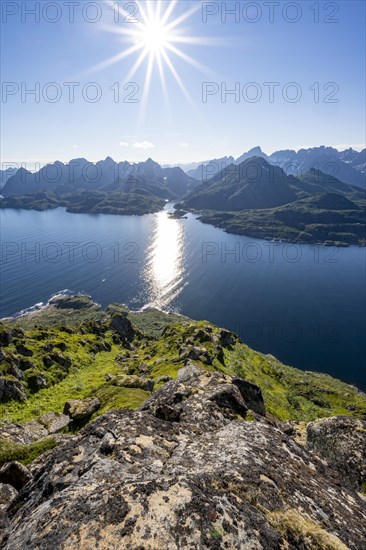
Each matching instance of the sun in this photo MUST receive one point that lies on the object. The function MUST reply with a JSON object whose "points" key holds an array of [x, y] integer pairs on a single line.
{"points": [[154, 40], [154, 37]]}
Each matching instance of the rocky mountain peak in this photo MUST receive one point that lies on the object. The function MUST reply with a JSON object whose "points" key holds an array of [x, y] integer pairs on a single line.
{"points": [[194, 467]]}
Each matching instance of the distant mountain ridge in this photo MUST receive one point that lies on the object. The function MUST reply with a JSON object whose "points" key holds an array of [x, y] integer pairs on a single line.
{"points": [[255, 184], [348, 166], [105, 175], [259, 199]]}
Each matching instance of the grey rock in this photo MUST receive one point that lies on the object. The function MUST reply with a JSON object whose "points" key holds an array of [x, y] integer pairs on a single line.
{"points": [[341, 441], [15, 474], [24, 434], [251, 394], [37, 382], [189, 370], [16, 371], [32, 431], [79, 409], [54, 422], [204, 478], [7, 494], [61, 359], [11, 389], [123, 326]]}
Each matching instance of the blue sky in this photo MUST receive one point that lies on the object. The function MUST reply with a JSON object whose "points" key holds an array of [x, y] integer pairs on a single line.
{"points": [[234, 53]]}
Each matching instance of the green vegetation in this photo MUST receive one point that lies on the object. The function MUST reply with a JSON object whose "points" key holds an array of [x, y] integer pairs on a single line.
{"points": [[138, 202], [257, 199], [24, 453], [215, 533], [88, 357], [302, 221]]}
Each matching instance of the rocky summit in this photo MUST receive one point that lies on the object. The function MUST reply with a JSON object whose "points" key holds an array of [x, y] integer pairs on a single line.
{"points": [[194, 467], [167, 433]]}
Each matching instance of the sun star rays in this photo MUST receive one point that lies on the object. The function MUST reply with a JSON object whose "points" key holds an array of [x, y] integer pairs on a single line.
{"points": [[154, 39]]}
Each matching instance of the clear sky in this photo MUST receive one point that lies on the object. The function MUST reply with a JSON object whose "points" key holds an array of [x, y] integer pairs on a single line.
{"points": [[319, 46]]}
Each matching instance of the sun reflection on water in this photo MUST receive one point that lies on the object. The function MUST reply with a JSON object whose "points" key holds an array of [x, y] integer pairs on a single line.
{"points": [[165, 266]]}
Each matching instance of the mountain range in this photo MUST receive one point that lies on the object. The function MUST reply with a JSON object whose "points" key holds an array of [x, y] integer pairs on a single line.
{"points": [[254, 183], [105, 175], [348, 165], [258, 199], [289, 196]]}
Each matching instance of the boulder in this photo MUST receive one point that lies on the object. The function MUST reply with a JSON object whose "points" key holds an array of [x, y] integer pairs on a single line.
{"points": [[15, 371], [79, 409], [26, 433], [23, 350], [122, 325], [197, 397], [61, 346], [61, 359], [11, 388], [36, 381], [227, 338], [47, 361], [251, 394], [228, 397], [199, 354], [188, 371], [201, 336], [5, 337], [341, 441], [144, 369], [54, 422], [15, 474], [133, 381], [34, 430]]}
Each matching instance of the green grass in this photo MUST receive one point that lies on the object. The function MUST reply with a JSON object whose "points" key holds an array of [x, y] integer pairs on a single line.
{"points": [[288, 393], [24, 453], [215, 533]]}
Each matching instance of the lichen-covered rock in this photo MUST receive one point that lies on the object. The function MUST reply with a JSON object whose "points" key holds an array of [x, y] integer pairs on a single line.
{"points": [[341, 441], [185, 471], [7, 494], [188, 371], [133, 381], [34, 430], [79, 409], [54, 422], [23, 433]]}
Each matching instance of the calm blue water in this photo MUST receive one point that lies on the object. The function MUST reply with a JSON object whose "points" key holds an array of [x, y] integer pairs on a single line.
{"points": [[305, 305]]}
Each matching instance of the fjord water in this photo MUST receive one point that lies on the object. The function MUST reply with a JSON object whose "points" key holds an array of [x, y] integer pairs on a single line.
{"points": [[303, 304]]}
